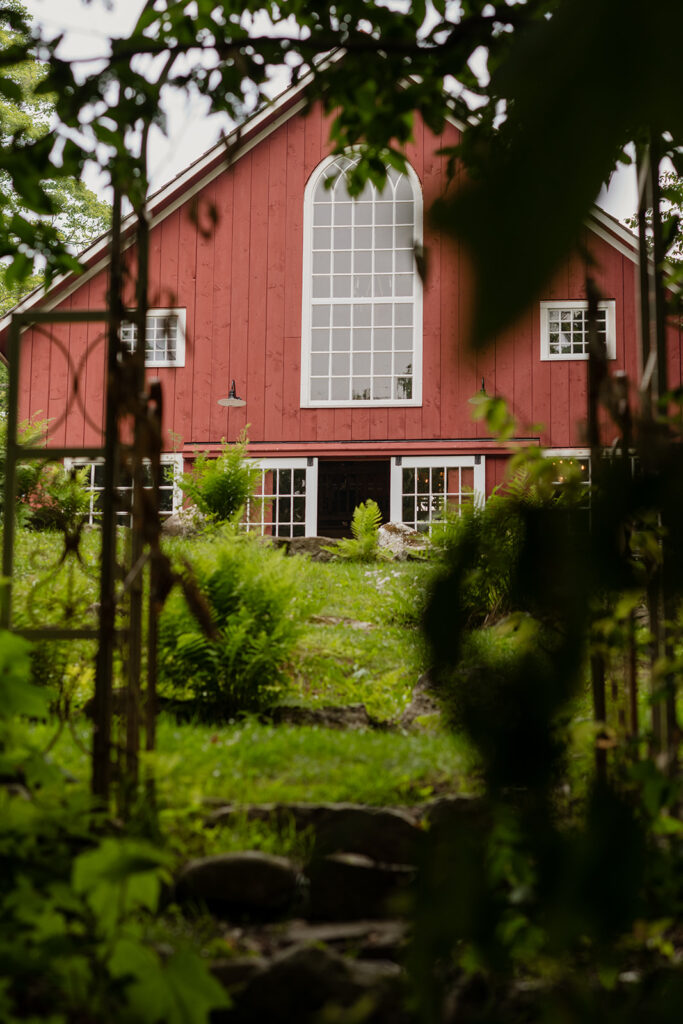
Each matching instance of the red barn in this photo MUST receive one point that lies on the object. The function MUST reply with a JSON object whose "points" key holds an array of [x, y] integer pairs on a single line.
{"points": [[356, 377]]}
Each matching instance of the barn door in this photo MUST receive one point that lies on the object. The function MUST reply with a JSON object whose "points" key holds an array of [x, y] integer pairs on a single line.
{"points": [[343, 484]]}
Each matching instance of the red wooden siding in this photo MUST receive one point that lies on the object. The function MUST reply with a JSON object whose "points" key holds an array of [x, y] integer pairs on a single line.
{"points": [[241, 285]]}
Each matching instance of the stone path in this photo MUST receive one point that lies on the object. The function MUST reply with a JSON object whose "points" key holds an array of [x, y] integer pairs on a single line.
{"points": [[328, 933]]}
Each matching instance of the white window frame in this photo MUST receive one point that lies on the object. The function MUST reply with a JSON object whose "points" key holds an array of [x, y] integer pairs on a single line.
{"points": [[401, 462], [167, 458], [181, 319], [310, 465], [307, 306], [611, 341]]}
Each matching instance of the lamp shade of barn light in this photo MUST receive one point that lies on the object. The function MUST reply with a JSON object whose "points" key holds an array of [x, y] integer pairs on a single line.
{"points": [[232, 400]]}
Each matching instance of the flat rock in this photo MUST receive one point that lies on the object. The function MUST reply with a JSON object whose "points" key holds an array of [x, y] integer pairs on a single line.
{"points": [[341, 620], [313, 547], [331, 716], [348, 886], [453, 812], [381, 833], [298, 984], [251, 883], [234, 972], [369, 939], [422, 703]]}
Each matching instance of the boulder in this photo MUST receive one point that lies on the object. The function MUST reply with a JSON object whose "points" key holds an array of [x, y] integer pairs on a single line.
{"points": [[186, 522], [348, 887], [399, 539], [251, 883], [314, 547], [380, 833]]}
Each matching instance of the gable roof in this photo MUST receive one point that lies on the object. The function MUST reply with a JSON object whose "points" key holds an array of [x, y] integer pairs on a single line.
{"points": [[201, 172]]}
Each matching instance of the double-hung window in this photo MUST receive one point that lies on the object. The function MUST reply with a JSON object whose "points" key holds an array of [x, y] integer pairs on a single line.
{"points": [[165, 337], [362, 296]]}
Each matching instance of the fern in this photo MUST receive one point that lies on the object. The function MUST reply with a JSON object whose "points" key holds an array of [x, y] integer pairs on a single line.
{"points": [[364, 546]]}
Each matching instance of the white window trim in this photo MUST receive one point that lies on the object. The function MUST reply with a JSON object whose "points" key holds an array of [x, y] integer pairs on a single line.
{"points": [[607, 304], [307, 290], [310, 465], [181, 317], [425, 462], [167, 458]]}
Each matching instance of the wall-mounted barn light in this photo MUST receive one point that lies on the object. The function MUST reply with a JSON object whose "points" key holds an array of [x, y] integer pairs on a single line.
{"points": [[232, 400]]}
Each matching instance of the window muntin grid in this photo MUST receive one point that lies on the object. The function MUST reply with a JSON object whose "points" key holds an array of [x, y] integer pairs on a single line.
{"points": [[94, 485], [426, 491], [362, 294], [564, 329], [278, 508], [164, 337]]}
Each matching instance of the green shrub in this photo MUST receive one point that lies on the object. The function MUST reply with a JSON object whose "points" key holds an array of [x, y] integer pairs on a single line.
{"points": [[258, 611], [59, 500], [364, 545], [27, 473], [221, 487]]}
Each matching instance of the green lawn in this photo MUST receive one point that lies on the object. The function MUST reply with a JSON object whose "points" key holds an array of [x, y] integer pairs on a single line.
{"points": [[361, 643]]}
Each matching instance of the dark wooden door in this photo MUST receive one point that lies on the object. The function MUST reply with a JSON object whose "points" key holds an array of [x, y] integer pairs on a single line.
{"points": [[343, 484]]}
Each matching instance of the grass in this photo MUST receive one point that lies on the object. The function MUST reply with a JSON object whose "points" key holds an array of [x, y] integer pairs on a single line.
{"points": [[376, 663], [249, 762], [334, 663]]}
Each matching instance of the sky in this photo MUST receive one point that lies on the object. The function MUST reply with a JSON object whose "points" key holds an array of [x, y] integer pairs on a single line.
{"points": [[88, 26]]}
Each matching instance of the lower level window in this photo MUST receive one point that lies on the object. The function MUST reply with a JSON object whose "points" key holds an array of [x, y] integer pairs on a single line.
{"points": [[423, 489], [284, 499], [171, 468]]}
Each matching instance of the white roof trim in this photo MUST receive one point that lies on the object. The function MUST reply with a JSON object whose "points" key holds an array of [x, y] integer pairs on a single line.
{"points": [[101, 245]]}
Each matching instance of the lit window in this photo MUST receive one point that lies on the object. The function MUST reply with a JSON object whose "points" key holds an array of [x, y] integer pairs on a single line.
{"points": [[362, 297], [424, 488], [564, 329], [169, 495], [165, 337]]}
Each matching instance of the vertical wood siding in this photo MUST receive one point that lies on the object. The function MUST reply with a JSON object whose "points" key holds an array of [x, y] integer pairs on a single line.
{"points": [[240, 283]]}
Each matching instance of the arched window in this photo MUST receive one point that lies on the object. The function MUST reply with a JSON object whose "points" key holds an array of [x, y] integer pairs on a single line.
{"points": [[362, 297]]}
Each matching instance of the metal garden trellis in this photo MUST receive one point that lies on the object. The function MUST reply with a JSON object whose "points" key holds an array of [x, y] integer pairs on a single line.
{"points": [[128, 404]]}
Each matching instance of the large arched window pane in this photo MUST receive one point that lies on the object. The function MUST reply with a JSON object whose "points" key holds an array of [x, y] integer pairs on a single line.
{"points": [[362, 300]]}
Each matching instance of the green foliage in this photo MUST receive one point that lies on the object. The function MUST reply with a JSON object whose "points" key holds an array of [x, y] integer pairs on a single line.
{"points": [[75, 915], [258, 612], [48, 495], [30, 432], [76, 939], [221, 487], [42, 208], [60, 500], [364, 545]]}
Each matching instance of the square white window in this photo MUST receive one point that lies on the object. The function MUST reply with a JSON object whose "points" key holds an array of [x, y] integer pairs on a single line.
{"points": [[564, 329], [165, 340]]}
